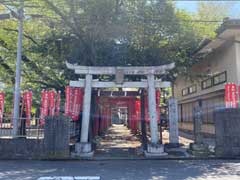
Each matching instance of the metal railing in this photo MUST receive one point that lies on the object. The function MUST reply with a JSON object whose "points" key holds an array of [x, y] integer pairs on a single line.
{"points": [[32, 131]]}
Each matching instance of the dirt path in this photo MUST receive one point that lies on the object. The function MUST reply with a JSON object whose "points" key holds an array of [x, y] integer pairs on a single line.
{"points": [[118, 142]]}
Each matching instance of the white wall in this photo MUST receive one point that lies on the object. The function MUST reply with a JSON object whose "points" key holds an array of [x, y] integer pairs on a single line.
{"points": [[223, 59], [237, 52]]}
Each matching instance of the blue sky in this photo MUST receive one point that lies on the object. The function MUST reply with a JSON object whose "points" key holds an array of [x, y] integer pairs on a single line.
{"points": [[191, 6]]}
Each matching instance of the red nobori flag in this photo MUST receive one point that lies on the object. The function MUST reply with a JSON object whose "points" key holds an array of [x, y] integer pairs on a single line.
{"points": [[238, 95], [76, 103], [234, 96], [68, 101], [58, 103], [44, 107], [2, 99], [27, 102], [51, 96], [227, 96], [231, 95]]}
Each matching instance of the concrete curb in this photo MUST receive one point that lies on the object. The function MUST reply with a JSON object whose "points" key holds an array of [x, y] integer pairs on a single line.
{"points": [[131, 159]]}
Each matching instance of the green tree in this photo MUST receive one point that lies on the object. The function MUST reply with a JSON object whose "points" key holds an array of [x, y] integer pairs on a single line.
{"points": [[212, 11], [101, 33]]}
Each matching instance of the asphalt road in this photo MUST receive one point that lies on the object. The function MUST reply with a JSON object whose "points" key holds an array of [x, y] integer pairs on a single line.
{"points": [[124, 170]]}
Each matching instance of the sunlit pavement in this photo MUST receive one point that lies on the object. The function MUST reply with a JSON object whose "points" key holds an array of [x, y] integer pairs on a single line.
{"points": [[123, 170], [118, 142]]}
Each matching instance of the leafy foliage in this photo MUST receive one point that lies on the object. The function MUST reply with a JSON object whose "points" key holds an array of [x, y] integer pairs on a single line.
{"points": [[100, 33]]}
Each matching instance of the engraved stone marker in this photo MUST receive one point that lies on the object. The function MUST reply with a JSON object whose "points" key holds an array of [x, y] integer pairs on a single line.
{"points": [[173, 121]]}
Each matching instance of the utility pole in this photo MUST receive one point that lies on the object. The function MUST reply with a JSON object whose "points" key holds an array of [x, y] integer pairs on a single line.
{"points": [[17, 89]]}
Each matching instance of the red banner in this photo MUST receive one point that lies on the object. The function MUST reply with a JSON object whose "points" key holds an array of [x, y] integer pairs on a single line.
{"points": [[51, 96], [2, 99], [58, 103], [26, 107], [27, 102], [238, 96], [234, 95], [77, 103], [73, 103], [44, 107], [227, 96], [232, 92], [67, 101]]}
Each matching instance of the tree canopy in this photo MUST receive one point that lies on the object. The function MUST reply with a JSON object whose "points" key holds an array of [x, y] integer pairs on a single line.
{"points": [[99, 33]]}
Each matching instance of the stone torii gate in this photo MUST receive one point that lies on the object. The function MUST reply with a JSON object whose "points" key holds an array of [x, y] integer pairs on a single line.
{"points": [[83, 148]]}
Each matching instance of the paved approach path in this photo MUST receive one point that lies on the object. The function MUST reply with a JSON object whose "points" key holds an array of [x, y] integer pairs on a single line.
{"points": [[184, 138], [123, 170], [118, 142]]}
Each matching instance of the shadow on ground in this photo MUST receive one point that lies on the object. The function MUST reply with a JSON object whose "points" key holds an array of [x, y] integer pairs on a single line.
{"points": [[123, 170]]}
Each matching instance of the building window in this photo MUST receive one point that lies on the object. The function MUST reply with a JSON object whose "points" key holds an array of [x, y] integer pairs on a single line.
{"points": [[192, 89], [207, 83], [215, 80], [220, 78], [185, 92], [189, 90]]}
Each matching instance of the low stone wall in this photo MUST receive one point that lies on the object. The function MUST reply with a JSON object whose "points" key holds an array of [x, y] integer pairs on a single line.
{"points": [[207, 129], [57, 137], [55, 144], [227, 123], [21, 148]]}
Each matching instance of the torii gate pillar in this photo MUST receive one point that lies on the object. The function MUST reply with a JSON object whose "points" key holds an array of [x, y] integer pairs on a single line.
{"points": [[84, 148], [154, 149], [152, 109], [86, 109]]}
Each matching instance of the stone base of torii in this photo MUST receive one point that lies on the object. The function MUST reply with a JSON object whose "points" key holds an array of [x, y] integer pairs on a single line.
{"points": [[154, 149]]}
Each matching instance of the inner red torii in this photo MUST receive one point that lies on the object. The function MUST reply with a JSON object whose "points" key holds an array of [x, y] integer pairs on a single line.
{"points": [[103, 114], [104, 102]]}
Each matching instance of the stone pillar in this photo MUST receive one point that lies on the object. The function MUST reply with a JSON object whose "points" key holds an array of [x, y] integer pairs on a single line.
{"points": [[152, 110], [86, 108], [173, 122], [56, 137], [198, 148], [154, 149], [84, 148], [197, 127]]}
